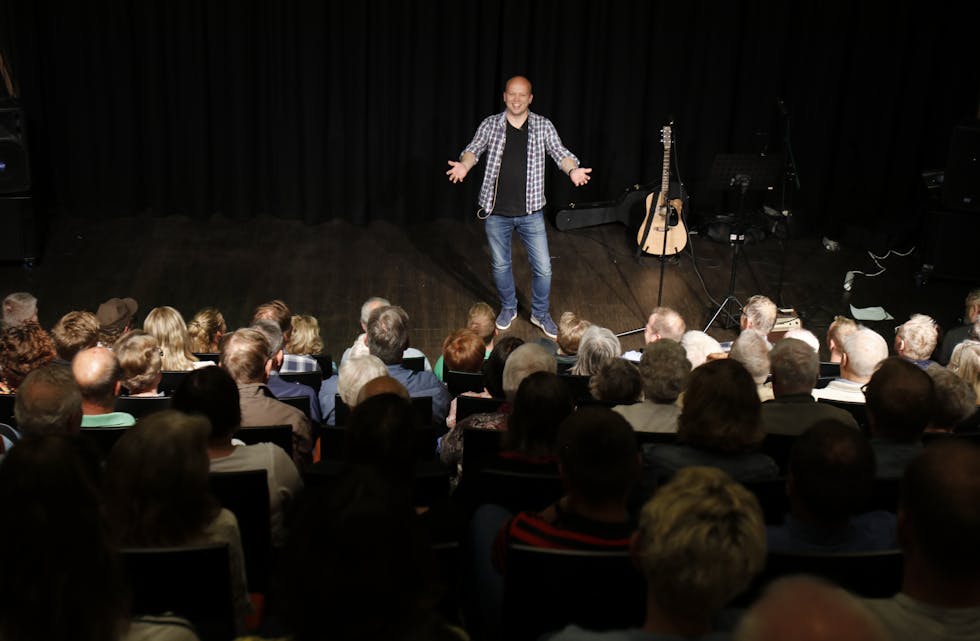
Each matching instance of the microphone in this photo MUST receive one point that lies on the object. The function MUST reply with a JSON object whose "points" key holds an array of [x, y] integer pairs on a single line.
{"points": [[848, 281]]}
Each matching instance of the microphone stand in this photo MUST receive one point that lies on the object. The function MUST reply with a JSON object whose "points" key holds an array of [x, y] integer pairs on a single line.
{"points": [[790, 173]]}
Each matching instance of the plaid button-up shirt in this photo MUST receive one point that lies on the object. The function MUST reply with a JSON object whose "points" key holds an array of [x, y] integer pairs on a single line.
{"points": [[541, 137]]}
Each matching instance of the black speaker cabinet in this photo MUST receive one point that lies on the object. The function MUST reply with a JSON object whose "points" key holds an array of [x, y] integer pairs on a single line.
{"points": [[954, 237], [961, 185], [15, 176], [18, 241]]}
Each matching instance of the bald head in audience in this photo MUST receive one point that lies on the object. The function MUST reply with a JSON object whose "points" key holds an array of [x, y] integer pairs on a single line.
{"points": [[99, 376], [805, 608], [664, 322], [863, 350]]}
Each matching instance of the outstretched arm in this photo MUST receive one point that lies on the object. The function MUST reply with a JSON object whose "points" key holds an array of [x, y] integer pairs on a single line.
{"points": [[578, 175], [458, 170]]}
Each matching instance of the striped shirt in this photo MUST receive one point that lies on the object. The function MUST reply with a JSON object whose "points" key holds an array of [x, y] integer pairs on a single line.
{"points": [[542, 137]]}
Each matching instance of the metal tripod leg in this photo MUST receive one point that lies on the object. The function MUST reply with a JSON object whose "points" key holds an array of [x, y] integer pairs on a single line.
{"points": [[733, 320]]}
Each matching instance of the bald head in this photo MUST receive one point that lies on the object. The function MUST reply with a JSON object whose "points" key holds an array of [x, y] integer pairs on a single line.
{"points": [[97, 372], [664, 322], [518, 82], [382, 385], [808, 609], [863, 350]]}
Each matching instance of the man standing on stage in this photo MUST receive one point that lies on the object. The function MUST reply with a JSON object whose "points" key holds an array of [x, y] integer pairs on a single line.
{"points": [[512, 195]]}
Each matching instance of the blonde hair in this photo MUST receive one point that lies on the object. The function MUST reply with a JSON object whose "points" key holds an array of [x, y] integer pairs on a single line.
{"points": [[839, 330], [140, 360], [919, 336], [167, 326], [570, 330], [482, 321], [204, 330], [965, 363], [305, 338], [701, 540]]}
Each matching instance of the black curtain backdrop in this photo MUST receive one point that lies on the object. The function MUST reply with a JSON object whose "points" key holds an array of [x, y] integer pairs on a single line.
{"points": [[319, 111]]}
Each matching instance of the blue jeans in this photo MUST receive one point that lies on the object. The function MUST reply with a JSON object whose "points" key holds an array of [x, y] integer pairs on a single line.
{"points": [[532, 232]]}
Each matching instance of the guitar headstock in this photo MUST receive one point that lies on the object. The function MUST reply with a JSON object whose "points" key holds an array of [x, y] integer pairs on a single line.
{"points": [[666, 136]]}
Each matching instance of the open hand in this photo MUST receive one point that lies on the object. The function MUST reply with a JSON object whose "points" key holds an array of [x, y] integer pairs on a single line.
{"points": [[580, 175], [457, 171]]}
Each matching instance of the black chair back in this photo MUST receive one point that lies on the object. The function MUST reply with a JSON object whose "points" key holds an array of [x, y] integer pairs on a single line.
{"points": [[140, 406], [7, 409], [103, 438], [655, 438], [414, 363], [771, 494], [778, 448], [858, 410], [547, 589], [577, 385], [281, 435], [302, 403], [214, 357], [480, 446], [829, 370], [872, 575], [310, 379], [459, 382], [469, 405], [325, 361], [192, 582], [246, 495], [516, 491], [431, 479], [421, 404], [170, 380]]}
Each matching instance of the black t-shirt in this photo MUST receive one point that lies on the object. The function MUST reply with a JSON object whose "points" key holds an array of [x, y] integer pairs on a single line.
{"points": [[511, 197]]}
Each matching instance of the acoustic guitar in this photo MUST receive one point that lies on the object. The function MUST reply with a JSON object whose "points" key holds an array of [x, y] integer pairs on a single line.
{"points": [[664, 220]]}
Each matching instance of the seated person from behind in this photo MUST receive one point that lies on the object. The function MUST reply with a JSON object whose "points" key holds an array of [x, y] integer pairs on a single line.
{"points": [[759, 314], [463, 351], [206, 330], [570, 331], [938, 529], [99, 377], [916, 339], [167, 326], [900, 402], [74, 332], [700, 542], [23, 348], [360, 347], [718, 426], [863, 350], [837, 333], [280, 387], [617, 382], [212, 393], [305, 339], [831, 477], [699, 347], [599, 464], [354, 374], [664, 370], [139, 358], [795, 370], [751, 349], [956, 400], [49, 401], [597, 346], [278, 312], [481, 321], [663, 322]]}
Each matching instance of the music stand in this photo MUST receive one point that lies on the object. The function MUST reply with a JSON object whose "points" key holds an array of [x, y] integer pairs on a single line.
{"points": [[742, 172]]}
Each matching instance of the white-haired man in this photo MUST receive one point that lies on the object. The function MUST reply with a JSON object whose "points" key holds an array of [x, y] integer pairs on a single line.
{"points": [[916, 340], [360, 348], [863, 350]]}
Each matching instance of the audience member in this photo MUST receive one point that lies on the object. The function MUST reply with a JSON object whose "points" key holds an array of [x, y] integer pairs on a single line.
{"points": [[916, 339], [938, 529], [205, 330], [863, 350], [278, 312], [381, 436], [900, 401], [570, 331], [840, 328], [700, 542], [806, 336], [664, 370], [481, 320], [115, 318], [793, 410], [360, 347], [19, 308], [751, 349], [965, 362], [382, 385], [99, 377], [246, 355], [759, 313], [599, 465], [141, 362], [664, 322], [541, 403], [830, 481], [49, 401], [617, 382], [167, 326], [74, 332], [280, 387], [365, 536], [212, 393], [719, 426], [23, 348], [61, 579], [354, 373], [597, 346], [464, 351], [966, 331], [805, 608], [956, 400], [699, 346], [305, 338], [157, 494]]}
